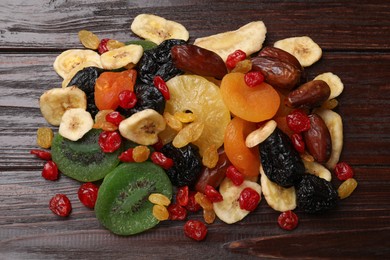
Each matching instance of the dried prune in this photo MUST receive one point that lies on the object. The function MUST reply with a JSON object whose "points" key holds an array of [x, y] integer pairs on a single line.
{"points": [[85, 80], [315, 194], [281, 162], [148, 96], [158, 61], [187, 164]]}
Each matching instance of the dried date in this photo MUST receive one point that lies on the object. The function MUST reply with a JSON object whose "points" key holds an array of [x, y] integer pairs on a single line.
{"points": [[279, 54], [311, 94]]}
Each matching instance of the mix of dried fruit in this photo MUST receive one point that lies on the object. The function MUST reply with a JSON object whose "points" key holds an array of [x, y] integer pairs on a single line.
{"points": [[221, 123]]}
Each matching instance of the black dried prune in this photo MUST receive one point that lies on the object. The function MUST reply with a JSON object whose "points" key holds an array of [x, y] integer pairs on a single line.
{"points": [[315, 194], [85, 80], [158, 61], [281, 162], [187, 164]]}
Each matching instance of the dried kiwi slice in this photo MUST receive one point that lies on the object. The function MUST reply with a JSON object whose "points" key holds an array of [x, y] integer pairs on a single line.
{"points": [[122, 205], [83, 160]]}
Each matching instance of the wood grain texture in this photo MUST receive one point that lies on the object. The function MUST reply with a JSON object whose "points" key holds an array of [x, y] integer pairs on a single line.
{"points": [[355, 39]]}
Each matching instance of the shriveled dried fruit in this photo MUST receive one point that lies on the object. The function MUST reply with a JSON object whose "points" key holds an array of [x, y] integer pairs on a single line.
{"points": [[114, 44], [89, 39], [210, 157], [177, 212], [159, 199], [209, 216], [346, 188], [102, 123], [44, 137], [203, 201], [190, 133], [343, 171], [288, 220], [160, 212], [141, 153], [195, 229], [185, 117]]}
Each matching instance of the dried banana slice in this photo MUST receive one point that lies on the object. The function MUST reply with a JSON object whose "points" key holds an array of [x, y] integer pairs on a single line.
{"points": [[73, 60], [334, 82], [121, 57], [158, 29], [248, 38], [259, 135], [303, 48], [317, 169], [75, 123], [54, 102]]}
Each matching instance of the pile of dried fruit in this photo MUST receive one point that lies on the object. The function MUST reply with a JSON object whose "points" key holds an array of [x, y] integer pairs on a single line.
{"points": [[205, 121]]}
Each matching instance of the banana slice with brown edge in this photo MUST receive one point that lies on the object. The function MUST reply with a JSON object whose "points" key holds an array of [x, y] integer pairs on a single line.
{"points": [[279, 198], [54, 102], [158, 29], [73, 60], [334, 123], [75, 123], [143, 127], [228, 210], [334, 82], [248, 38], [317, 169], [303, 48], [121, 57]]}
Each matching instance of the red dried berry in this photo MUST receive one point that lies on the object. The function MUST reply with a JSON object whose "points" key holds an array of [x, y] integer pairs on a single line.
{"points": [[44, 155], [343, 171], [127, 156], [161, 86], [102, 48], [234, 58], [50, 171], [60, 205], [127, 99], [177, 212], [288, 220], [109, 141], [161, 160], [249, 199], [195, 229], [234, 175], [212, 194], [192, 205], [298, 142], [159, 145], [182, 196], [298, 121], [87, 194], [114, 118], [254, 78]]}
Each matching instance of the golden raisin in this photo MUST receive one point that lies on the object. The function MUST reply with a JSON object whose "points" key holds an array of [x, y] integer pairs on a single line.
{"points": [[88, 39], [101, 122], [188, 134], [307, 157], [44, 137], [209, 216], [114, 44], [243, 66], [140, 153], [172, 121], [330, 104], [346, 188], [203, 201], [159, 199], [185, 117], [210, 156], [160, 212]]}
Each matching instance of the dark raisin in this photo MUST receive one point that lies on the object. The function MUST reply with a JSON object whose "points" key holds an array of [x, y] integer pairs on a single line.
{"points": [[315, 194], [85, 80], [281, 162], [148, 96], [158, 62], [187, 164]]}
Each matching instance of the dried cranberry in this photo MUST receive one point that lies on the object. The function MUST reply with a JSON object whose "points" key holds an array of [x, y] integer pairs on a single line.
{"points": [[115, 118], [50, 171], [298, 121], [234, 58], [182, 196], [109, 141], [249, 199], [195, 229], [161, 86], [102, 48], [288, 220], [254, 78], [212, 194], [87, 194], [298, 142], [44, 155], [157, 146], [234, 175], [60, 205], [161, 160], [192, 205], [177, 212], [343, 171], [127, 156], [127, 99]]}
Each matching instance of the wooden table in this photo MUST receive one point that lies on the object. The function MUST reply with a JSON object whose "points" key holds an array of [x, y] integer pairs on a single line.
{"points": [[355, 41]]}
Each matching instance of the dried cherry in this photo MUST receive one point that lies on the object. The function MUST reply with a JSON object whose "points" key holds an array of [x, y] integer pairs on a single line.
{"points": [[87, 194], [50, 171], [109, 141], [288, 220], [60, 205], [343, 171], [249, 199], [177, 212], [195, 229]]}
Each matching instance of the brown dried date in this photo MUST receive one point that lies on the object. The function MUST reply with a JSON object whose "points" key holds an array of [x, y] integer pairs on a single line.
{"points": [[281, 55], [310, 94], [194, 59], [276, 72], [317, 139]]}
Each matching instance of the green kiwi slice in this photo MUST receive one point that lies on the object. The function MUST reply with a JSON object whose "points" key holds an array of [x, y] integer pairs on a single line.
{"points": [[83, 160], [122, 205]]}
